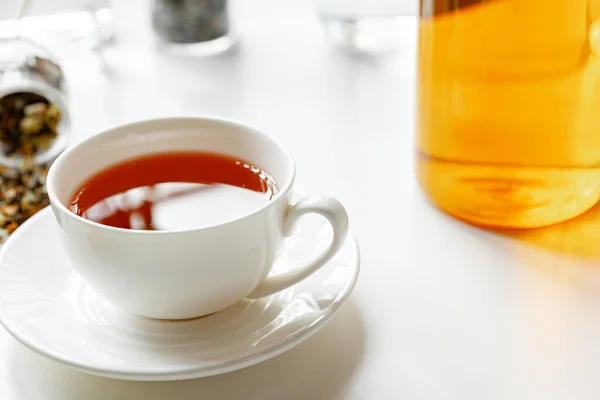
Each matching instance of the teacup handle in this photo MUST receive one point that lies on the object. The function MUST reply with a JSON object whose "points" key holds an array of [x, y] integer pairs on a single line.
{"points": [[336, 214]]}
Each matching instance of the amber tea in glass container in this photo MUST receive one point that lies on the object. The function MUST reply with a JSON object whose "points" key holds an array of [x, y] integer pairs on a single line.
{"points": [[508, 124]]}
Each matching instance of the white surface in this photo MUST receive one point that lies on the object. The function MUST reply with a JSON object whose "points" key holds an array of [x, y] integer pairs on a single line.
{"points": [[441, 310], [192, 272], [367, 8], [49, 308]]}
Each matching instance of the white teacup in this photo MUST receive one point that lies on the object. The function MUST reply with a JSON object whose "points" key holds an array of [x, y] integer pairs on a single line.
{"points": [[186, 273]]}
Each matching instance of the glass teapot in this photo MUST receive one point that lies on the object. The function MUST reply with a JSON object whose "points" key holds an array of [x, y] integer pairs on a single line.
{"points": [[508, 124]]}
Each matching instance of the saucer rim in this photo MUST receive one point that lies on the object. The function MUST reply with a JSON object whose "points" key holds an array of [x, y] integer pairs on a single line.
{"points": [[192, 371]]}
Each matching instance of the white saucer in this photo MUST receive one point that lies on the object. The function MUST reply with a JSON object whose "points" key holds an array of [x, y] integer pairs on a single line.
{"points": [[49, 308]]}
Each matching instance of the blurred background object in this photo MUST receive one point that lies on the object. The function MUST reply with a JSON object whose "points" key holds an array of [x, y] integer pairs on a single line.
{"points": [[368, 26], [199, 27], [34, 128], [65, 26]]}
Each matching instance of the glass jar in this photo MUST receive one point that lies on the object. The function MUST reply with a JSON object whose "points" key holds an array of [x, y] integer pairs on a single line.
{"points": [[199, 27], [508, 123], [34, 118]]}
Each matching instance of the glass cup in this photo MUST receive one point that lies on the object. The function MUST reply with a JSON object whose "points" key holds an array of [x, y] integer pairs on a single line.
{"points": [[64, 26], [368, 26], [508, 123]]}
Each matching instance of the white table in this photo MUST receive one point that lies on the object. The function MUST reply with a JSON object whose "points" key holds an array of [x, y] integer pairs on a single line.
{"points": [[441, 310]]}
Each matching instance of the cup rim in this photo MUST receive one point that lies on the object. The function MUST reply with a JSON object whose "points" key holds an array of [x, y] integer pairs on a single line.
{"points": [[60, 162]]}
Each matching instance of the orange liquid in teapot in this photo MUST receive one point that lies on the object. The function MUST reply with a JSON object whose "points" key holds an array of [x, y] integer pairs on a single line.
{"points": [[509, 109]]}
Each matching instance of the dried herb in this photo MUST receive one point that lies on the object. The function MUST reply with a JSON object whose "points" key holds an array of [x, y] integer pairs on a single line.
{"points": [[28, 124], [22, 194]]}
